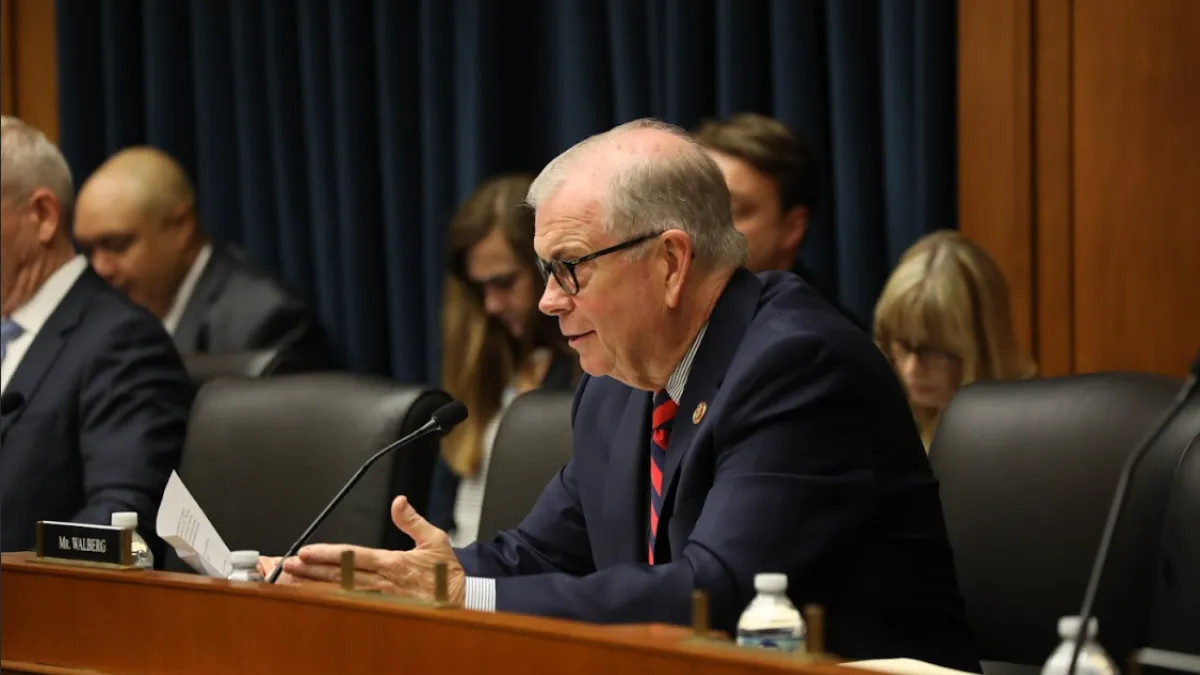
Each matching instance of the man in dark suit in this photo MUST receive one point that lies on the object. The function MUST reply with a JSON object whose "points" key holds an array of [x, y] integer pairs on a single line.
{"points": [[137, 221], [728, 425], [772, 175], [102, 398]]}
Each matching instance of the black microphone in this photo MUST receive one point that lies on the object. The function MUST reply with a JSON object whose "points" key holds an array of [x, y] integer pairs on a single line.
{"points": [[441, 422], [11, 402], [1118, 503]]}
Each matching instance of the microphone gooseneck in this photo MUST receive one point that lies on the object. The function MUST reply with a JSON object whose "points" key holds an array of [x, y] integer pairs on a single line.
{"points": [[441, 422]]}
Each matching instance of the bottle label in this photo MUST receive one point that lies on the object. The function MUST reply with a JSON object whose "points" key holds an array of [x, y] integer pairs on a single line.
{"points": [[245, 575], [778, 639]]}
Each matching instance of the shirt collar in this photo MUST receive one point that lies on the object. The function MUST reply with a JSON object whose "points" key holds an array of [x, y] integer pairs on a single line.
{"points": [[678, 379], [34, 314], [188, 286]]}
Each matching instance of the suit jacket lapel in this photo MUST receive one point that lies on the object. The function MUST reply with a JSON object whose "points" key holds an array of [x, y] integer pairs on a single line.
{"points": [[726, 327], [50, 340], [625, 496], [189, 334]]}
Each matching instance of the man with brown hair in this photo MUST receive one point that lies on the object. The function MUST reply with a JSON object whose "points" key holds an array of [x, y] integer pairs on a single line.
{"points": [[771, 177]]}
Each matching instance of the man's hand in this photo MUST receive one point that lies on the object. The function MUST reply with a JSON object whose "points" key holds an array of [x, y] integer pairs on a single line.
{"points": [[267, 564], [405, 573]]}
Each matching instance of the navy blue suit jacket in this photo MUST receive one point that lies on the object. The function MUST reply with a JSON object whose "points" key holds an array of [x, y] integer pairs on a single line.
{"points": [[105, 416], [807, 462]]}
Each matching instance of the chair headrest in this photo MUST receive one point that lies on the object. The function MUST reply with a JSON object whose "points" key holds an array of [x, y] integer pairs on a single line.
{"points": [[255, 363], [265, 455], [1027, 471], [533, 442]]}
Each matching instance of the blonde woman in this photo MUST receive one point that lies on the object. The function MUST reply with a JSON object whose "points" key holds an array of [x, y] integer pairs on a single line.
{"points": [[495, 342], [943, 320]]}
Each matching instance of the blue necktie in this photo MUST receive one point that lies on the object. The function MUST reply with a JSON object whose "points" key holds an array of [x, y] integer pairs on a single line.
{"points": [[664, 414], [9, 330]]}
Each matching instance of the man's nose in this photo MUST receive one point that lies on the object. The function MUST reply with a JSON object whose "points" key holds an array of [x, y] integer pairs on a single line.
{"points": [[554, 301], [103, 265]]}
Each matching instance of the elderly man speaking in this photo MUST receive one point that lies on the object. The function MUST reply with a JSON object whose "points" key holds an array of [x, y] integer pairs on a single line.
{"points": [[729, 424]]}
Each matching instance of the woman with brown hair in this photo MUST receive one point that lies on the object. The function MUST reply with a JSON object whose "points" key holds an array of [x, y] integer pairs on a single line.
{"points": [[943, 320], [495, 343]]}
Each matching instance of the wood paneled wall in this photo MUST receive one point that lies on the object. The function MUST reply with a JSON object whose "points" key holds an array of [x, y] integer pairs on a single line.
{"points": [[1079, 147], [28, 63]]}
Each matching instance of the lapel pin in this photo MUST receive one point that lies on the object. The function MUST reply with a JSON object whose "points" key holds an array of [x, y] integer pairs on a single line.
{"points": [[698, 413]]}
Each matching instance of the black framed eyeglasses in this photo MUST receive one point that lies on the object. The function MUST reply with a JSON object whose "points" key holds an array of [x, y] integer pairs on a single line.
{"points": [[563, 271]]}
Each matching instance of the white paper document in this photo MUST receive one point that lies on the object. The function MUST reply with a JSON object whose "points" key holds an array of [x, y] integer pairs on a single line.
{"points": [[183, 525]]}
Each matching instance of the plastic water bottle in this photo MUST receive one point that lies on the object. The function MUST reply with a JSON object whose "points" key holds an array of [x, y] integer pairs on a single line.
{"points": [[142, 557], [245, 566], [1093, 660], [771, 620]]}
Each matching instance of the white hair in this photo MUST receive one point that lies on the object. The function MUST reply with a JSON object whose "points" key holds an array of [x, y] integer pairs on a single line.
{"points": [[684, 191], [29, 161]]}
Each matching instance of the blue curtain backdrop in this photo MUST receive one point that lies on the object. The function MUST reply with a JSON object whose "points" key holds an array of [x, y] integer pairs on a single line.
{"points": [[332, 139]]}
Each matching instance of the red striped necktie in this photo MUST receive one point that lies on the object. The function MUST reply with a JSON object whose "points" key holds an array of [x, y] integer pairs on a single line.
{"points": [[664, 414]]}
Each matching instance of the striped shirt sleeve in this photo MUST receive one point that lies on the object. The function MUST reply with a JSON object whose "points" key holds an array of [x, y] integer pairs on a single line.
{"points": [[480, 594]]}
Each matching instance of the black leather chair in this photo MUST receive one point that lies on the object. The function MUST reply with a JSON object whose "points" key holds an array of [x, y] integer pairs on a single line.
{"points": [[1175, 620], [1027, 471], [257, 363], [264, 456], [532, 444]]}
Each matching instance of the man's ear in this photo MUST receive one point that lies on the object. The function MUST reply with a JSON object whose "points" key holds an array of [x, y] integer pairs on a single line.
{"points": [[795, 226], [677, 255], [178, 215], [181, 220], [48, 213]]}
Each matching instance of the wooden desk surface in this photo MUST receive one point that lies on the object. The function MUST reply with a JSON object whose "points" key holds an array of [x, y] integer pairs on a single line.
{"points": [[59, 619]]}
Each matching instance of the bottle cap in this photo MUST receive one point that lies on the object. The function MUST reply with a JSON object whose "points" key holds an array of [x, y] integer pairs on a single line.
{"points": [[244, 558], [1068, 628], [125, 519], [770, 583]]}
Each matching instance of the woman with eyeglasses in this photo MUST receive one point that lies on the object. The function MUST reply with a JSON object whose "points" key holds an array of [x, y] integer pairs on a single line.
{"points": [[495, 343], [943, 320]]}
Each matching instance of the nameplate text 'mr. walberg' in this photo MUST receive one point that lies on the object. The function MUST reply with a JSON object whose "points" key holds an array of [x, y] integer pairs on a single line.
{"points": [[84, 543]]}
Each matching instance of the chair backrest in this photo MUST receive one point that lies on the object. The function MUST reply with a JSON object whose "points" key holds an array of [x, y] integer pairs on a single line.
{"points": [[264, 456], [204, 366], [1175, 620], [532, 444], [1027, 471]]}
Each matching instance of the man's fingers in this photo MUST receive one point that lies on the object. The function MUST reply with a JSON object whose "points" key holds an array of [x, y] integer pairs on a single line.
{"points": [[302, 571], [266, 565], [331, 554], [411, 523]]}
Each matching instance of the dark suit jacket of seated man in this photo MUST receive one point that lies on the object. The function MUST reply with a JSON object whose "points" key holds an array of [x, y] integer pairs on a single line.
{"points": [[236, 307], [105, 413], [791, 449], [102, 398], [790, 452]]}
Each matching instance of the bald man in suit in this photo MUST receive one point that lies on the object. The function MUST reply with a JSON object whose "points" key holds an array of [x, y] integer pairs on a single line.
{"points": [[136, 218]]}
